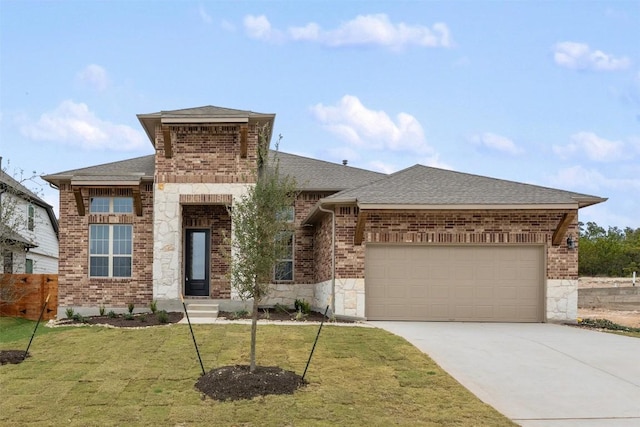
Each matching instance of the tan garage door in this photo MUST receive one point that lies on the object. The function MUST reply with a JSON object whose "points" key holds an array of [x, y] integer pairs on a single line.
{"points": [[454, 283]]}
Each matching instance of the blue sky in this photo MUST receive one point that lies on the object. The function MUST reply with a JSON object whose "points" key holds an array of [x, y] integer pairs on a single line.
{"points": [[546, 93]]}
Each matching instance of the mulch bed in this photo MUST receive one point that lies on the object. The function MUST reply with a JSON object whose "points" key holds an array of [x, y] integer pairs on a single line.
{"points": [[121, 321], [12, 356], [236, 382], [277, 315]]}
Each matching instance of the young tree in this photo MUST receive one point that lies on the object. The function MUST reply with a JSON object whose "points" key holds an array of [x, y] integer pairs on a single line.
{"points": [[260, 232]]}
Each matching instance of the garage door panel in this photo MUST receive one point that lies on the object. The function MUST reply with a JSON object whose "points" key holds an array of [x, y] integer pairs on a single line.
{"points": [[469, 283]]}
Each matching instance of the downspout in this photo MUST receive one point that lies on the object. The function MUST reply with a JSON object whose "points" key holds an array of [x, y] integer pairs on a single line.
{"points": [[333, 257]]}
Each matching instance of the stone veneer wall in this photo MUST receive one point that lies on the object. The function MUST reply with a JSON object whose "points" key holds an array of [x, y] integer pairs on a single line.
{"points": [[168, 234], [75, 288]]}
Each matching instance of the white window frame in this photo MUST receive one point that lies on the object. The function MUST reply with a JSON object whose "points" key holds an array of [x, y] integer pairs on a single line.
{"points": [[112, 204], [110, 255]]}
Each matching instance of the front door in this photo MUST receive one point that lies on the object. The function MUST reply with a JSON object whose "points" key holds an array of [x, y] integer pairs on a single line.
{"points": [[197, 255]]}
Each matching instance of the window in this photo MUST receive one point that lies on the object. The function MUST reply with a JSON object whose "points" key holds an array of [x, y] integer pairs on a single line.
{"points": [[31, 219], [110, 250], [28, 266], [283, 270], [284, 266], [111, 205]]}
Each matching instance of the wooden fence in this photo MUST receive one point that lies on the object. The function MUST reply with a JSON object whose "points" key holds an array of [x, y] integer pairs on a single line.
{"points": [[26, 294]]}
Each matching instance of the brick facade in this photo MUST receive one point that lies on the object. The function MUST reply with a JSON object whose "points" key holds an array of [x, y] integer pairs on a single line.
{"points": [[443, 227], [206, 154], [76, 288]]}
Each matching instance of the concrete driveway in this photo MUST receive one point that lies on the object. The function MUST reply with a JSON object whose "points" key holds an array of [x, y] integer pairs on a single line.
{"points": [[537, 374]]}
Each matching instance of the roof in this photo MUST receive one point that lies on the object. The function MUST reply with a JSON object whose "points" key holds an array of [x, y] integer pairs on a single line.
{"points": [[310, 174], [319, 175], [20, 190], [439, 188], [122, 172], [205, 114]]}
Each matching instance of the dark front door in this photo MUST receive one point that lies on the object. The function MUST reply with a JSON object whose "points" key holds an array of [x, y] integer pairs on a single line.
{"points": [[196, 272]]}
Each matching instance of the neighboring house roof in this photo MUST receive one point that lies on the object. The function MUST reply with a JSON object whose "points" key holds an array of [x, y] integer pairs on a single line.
{"points": [[130, 171], [319, 175], [7, 181], [422, 186], [207, 114]]}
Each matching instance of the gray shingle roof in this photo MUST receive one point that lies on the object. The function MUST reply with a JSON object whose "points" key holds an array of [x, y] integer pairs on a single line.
{"points": [[422, 185], [205, 114], [124, 170], [20, 190], [9, 181], [205, 111], [312, 174]]}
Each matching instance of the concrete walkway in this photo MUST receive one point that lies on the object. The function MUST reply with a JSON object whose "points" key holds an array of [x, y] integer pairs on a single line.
{"points": [[537, 374]]}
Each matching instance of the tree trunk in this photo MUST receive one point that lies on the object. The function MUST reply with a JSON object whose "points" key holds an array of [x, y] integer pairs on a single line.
{"points": [[254, 328]]}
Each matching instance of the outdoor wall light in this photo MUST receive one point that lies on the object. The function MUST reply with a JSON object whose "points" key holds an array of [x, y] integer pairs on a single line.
{"points": [[570, 243]]}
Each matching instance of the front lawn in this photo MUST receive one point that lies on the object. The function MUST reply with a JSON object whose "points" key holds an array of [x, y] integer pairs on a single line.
{"points": [[101, 376]]}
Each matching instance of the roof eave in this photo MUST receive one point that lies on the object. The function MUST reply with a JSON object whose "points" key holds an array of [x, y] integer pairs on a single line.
{"points": [[432, 207], [584, 202]]}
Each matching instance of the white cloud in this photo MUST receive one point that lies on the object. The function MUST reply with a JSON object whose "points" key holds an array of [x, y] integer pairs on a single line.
{"points": [[582, 179], [351, 121], [95, 76], [74, 124], [579, 56], [496, 142], [363, 30], [596, 148], [375, 30], [206, 18], [259, 27]]}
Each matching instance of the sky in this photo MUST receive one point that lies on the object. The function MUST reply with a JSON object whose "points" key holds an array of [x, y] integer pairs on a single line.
{"points": [[544, 92]]}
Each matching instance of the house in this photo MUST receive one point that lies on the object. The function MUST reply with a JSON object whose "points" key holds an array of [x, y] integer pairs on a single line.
{"points": [[28, 230], [420, 244]]}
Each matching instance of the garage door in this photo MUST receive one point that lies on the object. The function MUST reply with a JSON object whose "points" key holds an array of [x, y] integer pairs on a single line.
{"points": [[454, 283]]}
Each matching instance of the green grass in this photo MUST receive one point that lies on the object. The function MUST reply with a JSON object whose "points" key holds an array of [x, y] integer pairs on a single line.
{"points": [[611, 327], [15, 328], [358, 376]]}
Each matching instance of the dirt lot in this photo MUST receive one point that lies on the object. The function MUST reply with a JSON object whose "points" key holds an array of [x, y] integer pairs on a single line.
{"points": [[626, 318]]}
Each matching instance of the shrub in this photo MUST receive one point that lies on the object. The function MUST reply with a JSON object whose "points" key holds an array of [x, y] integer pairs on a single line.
{"points": [[130, 306], [153, 306], [79, 318], [102, 309], [240, 314], [111, 314], [69, 312], [281, 308], [128, 316], [163, 316], [142, 317], [303, 306]]}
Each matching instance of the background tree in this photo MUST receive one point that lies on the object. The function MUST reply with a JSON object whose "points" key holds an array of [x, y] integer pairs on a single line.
{"points": [[612, 252], [260, 232]]}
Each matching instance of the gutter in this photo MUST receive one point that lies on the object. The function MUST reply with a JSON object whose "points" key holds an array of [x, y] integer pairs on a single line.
{"points": [[333, 257]]}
